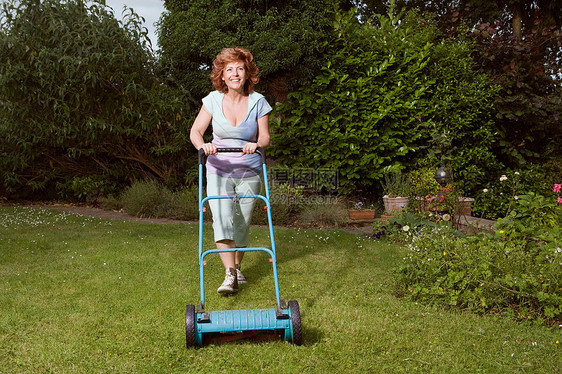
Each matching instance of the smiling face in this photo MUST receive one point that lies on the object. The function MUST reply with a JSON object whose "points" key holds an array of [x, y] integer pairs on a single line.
{"points": [[235, 59], [234, 76]]}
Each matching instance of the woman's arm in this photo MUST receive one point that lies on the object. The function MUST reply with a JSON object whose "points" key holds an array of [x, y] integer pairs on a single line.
{"points": [[199, 127], [263, 136]]}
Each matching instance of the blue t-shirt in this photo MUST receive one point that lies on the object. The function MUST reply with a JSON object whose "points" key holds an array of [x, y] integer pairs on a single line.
{"points": [[236, 165]]}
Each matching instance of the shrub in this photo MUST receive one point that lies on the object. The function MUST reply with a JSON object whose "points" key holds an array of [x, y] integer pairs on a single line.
{"points": [[184, 204], [390, 91], [289, 205], [286, 201], [515, 272], [499, 196], [422, 182], [111, 203], [147, 199], [323, 211], [81, 93], [150, 199], [284, 37], [88, 188]]}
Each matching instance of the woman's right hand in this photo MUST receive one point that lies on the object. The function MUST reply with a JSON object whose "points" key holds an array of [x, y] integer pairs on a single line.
{"points": [[209, 148]]}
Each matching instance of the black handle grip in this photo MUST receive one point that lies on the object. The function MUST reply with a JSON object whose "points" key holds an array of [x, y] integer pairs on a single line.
{"points": [[259, 150]]}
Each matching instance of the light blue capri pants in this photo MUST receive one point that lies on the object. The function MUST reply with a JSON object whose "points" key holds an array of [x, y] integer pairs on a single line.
{"points": [[231, 219]]}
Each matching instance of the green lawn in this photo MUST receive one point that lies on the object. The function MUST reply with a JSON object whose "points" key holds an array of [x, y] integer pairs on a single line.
{"points": [[80, 295]]}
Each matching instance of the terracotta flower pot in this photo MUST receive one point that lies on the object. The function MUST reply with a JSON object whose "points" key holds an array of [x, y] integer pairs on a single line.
{"points": [[465, 206], [385, 218], [395, 204], [362, 214]]}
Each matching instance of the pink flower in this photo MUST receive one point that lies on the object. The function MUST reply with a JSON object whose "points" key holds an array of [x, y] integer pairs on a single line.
{"points": [[559, 200], [557, 188]]}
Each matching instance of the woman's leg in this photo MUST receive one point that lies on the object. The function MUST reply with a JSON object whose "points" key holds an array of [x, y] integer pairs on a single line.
{"points": [[243, 216], [243, 210], [228, 258], [221, 210], [238, 257], [230, 283]]}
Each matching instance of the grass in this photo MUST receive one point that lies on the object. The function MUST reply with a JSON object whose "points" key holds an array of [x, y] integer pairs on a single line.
{"points": [[81, 295]]}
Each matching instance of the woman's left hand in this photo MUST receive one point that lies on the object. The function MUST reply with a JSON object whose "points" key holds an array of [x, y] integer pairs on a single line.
{"points": [[249, 148]]}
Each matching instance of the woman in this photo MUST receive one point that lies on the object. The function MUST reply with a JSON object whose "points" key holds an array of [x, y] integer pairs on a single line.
{"points": [[240, 118]]}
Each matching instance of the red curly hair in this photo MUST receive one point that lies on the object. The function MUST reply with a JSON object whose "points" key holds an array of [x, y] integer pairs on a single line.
{"points": [[229, 55]]}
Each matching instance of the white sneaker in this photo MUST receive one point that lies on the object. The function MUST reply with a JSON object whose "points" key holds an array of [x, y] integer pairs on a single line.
{"points": [[241, 278], [230, 284]]}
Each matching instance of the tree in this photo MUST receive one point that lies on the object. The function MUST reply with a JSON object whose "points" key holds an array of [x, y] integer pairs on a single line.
{"points": [[522, 51], [519, 44], [391, 94], [80, 99], [284, 36], [518, 13]]}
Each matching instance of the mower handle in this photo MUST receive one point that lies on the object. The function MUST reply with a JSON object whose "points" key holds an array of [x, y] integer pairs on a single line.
{"points": [[259, 150]]}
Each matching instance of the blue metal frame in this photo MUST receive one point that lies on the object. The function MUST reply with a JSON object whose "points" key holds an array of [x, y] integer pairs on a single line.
{"points": [[278, 320], [271, 252]]}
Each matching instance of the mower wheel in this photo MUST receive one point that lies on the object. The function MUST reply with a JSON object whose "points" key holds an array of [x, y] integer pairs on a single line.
{"points": [[296, 320], [190, 326]]}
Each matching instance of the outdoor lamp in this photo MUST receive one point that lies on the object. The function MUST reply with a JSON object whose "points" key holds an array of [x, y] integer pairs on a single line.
{"points": [[442, 176]]}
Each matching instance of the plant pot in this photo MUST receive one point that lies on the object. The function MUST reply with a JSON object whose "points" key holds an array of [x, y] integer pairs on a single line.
{"points": [[465, 206], [362, 214], [385, 218], [395, 204]]}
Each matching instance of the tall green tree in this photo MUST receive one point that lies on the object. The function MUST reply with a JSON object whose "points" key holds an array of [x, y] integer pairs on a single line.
{"points": [[519, 44], [285, 37], [80, 99], [518, 13], [391, 94]]}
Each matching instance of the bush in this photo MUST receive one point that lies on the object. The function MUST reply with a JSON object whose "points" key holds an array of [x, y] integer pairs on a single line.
{"points": [[321, 211], [80, 94], [515, 272], [147, 199], [499, 196], [392, 92], [286, 202], [88, 188], [422, 182], [184, 204], [284, 37], [111, 203], [289, 205]]}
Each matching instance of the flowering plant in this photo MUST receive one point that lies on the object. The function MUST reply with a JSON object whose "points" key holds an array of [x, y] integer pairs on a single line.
{"points": [[359, 206], [500, 196], [557, 188], [405, 227], [443, 200]]}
